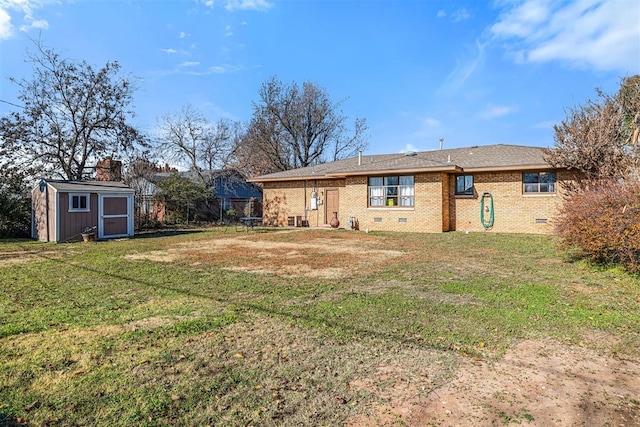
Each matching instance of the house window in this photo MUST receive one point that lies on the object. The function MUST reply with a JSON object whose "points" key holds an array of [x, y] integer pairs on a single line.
{"points": [[539, 182], [391, 191], [464, 185], [78, 203]]}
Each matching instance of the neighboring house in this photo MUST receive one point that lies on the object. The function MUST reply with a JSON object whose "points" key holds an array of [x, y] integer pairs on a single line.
{"points": [[230, 189], [432, 191], [61, 209], [234, 192]]}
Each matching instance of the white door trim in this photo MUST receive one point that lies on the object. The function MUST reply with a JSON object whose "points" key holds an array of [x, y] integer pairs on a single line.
{"points": [[102, 216]]}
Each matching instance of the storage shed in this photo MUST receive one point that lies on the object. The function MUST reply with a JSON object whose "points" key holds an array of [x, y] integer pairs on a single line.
{"points": [[61, 210]]}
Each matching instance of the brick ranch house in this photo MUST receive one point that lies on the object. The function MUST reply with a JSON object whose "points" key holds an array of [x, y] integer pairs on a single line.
{"points": [[432, 191]]}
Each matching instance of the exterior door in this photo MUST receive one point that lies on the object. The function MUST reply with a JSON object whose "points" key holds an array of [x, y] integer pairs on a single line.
{"points": [[116, 216], [330, 204]]}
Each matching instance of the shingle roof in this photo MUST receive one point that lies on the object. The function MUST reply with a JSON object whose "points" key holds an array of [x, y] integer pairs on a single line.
{"points": [[90, 186], [468, 159]]}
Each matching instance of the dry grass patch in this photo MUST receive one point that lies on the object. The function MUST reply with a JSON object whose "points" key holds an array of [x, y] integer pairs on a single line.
{"points": [[314, 255], [451, 329], [302, 378], [24, 256]]}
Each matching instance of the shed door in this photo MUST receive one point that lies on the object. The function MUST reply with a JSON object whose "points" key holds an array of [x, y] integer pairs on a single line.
{"points": [[114, 216], [331, 205]]}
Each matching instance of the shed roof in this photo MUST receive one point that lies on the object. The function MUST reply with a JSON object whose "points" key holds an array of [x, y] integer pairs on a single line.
{"points": [[468, 159], [90, 186]]}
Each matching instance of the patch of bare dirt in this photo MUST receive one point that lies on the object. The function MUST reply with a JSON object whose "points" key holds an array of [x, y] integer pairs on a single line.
{"points": [[317, 257], [156, 256], [22, 257], [537, 382]]}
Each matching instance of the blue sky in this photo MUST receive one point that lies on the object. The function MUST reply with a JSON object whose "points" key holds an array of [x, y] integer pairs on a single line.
{"points": [[471, 72]]}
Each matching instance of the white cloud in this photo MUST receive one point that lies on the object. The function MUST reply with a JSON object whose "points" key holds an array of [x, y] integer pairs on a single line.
{"points": [[599, 34], [39, 24], [431, 122], [226, 68], [494, 111], [228, 31], [464, 69], [218, 69], [548, 124], [169, 51], [189, 64], [460, 15], [426, 127], [5, 24], [13, 10], [248, 5], [182, 35]]}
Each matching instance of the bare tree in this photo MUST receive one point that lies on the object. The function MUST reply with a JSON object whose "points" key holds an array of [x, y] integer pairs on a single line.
{"points": [[629, 95], [295, 127], [599, 138], [73, 115], [140, 174], [190, 138]]}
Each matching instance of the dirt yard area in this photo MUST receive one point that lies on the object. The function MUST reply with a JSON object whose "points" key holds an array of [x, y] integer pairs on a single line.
{"points": [[537, 382]]}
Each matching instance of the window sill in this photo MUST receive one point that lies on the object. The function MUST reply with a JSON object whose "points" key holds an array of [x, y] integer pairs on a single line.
{"points": [[391, 208], [539, 194], [465, 196]]}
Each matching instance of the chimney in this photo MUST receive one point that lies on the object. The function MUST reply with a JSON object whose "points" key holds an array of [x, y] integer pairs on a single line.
{"points": [[359, 158], [109, 170]]}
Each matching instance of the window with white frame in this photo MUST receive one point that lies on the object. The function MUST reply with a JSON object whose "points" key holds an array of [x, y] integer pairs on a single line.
{"points": [[464, 185], [79, 203], [391, 191], [539, 182]]}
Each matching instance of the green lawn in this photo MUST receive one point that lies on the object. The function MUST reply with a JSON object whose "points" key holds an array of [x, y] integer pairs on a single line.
{"points": [[274, 328]]}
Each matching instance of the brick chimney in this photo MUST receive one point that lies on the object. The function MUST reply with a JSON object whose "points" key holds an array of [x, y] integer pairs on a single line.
{"points": [[109, 170]]}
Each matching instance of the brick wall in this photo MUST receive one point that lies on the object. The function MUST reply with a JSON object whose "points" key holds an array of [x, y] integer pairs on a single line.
{"points": [[436, 208], [428, 218], [514, 212], [293, 198]]}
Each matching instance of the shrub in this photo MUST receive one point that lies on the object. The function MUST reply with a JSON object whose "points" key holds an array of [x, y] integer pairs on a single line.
{"points": [[15, 204], [231, 214], [603, 221]]}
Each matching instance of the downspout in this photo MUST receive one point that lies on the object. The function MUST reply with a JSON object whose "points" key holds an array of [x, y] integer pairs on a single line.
{"points": [[305, 201]]}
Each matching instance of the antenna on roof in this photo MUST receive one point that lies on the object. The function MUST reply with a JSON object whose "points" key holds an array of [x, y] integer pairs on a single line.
{"points": [[441, 142]]}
